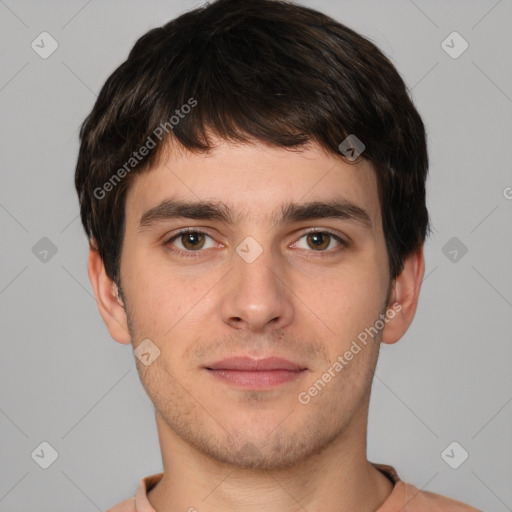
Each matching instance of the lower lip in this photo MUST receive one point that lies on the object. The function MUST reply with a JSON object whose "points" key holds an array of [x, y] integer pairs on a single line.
{"points": [[257, 379]]}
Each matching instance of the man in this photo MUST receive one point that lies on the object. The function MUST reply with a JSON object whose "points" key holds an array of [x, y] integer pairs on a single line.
{"points": [[252, 183]]}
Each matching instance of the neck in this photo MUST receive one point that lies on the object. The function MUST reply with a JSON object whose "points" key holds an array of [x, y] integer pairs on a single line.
{"points": [[339, 479]]}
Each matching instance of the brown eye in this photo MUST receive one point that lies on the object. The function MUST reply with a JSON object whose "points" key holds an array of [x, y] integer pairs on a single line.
{"points": [[190, 240], [320, 241]]}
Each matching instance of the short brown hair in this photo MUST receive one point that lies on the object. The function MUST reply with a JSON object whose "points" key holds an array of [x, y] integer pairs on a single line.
{"points": [[264, 70]]}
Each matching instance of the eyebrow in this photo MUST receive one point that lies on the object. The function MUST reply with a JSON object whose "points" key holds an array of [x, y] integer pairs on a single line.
{"points": [[170, 209]]}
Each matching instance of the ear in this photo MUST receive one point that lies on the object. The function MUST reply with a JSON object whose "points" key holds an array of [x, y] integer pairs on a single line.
{"points": [[404, 297], [110, 306]]}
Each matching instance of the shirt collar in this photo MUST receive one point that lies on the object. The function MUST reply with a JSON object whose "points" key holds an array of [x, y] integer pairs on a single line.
{"points": [[147, 483]]}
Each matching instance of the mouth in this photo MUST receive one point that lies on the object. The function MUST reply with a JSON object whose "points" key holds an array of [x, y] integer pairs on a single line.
{"points": [[256, 374]]}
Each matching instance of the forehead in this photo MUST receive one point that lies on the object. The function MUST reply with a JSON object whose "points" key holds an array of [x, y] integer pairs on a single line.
{"points": [[254, 182]]}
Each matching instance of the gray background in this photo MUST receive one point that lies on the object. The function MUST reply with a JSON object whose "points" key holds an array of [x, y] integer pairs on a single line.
{"points": [[64, 381]]}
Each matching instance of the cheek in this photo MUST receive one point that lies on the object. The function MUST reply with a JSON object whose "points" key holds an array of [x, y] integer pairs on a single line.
{"points": [[155, 308], [162, 384], [349, 303], [349, 297]]}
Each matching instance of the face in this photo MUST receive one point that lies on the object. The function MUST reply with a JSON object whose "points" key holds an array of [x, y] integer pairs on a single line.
{"points": [[259, 275]]}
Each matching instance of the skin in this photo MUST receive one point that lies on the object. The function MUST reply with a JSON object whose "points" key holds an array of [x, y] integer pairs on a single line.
{"points": [[229, 449]]}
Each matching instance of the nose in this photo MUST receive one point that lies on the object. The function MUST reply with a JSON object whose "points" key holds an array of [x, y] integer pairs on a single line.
{"points": [[257, 296]]}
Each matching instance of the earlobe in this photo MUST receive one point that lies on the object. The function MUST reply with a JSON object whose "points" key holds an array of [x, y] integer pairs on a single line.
{"points": [[405, 293], [110, 306]]}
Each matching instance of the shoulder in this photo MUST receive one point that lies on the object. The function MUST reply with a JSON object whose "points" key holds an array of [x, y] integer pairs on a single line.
{"points": [[425, 501], [408, 498], [139, 503]]}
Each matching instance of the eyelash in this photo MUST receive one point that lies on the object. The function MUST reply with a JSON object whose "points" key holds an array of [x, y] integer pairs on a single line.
{"points": [[195, 254]]}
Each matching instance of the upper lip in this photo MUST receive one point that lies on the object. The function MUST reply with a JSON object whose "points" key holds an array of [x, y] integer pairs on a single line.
{"points": [[251, 364]]}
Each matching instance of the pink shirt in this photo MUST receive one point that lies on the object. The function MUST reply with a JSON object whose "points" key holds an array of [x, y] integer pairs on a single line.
{"points": [[404, 497]]}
